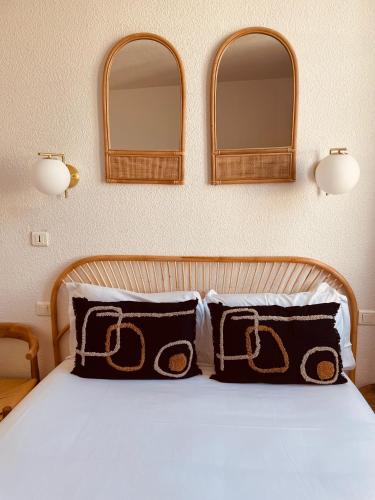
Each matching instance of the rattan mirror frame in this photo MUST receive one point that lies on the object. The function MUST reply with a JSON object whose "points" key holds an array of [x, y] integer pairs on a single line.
{"points": [[241, 166], [143, 166]]}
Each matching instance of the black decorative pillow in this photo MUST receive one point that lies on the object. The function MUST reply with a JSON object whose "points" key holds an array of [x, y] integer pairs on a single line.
{"points": [[135, 340], [280, 345]]}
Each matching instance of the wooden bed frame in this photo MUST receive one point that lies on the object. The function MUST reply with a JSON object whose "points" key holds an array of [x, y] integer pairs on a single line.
{"points": [[147, 274]]}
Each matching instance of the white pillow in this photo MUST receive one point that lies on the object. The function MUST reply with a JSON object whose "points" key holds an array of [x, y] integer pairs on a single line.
{"points": [[324, 293], [104, 294]]}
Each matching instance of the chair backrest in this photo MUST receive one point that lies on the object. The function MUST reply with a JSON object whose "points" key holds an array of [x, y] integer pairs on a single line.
{"points": [[23, 332]]}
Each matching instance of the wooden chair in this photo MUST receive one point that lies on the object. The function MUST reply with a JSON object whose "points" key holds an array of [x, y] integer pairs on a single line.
{"points": [[12, 390]]}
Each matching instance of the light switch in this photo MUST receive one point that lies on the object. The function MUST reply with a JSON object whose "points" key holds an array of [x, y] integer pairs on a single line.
{"points": [[366, 317], [43, 309], [40, 239]]}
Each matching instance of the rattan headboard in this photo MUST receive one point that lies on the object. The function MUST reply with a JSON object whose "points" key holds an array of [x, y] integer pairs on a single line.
{"points": [[224, 274]]}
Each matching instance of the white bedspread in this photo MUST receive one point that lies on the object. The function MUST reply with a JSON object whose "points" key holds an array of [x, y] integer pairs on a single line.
{"points": [[194, 439]]}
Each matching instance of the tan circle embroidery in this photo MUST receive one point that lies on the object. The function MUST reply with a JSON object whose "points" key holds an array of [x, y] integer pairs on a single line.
{"points": [[251, 354], [312, 351], [177, 362], [158, 369], [325, 370], [125, 326]]}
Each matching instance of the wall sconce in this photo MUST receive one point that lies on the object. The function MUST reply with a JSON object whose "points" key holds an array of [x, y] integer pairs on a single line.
{"points": [[337, 173], [51, 175]]}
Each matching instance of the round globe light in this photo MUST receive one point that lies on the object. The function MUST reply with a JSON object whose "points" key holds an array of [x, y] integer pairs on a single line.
{"points": [[337, 173], [51, 176]]}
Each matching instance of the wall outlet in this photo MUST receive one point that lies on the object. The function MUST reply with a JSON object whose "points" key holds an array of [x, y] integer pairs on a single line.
{"points": [[40, 239], [43, 309], [366, 317]]}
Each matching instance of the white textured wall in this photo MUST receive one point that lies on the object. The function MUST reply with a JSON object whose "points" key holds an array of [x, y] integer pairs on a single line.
{"points": [[51, 61]]}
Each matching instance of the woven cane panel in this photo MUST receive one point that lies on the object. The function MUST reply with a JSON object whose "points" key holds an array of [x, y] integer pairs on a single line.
{"points": [[142, 168], [248, 167]]}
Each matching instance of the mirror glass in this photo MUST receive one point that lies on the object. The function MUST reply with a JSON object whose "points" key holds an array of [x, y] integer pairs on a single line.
{"points": [[254, 100], [144, 100]]}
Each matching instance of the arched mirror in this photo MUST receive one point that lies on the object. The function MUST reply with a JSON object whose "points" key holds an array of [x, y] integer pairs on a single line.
{"points": [[143, 101], [254, 109]]}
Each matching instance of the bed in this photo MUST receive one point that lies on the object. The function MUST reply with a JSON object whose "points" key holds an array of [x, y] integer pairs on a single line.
{"points": [[74, 438]]}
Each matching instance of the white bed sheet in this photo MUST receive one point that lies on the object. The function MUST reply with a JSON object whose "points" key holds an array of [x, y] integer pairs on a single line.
{"points": [[78, 439]]}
